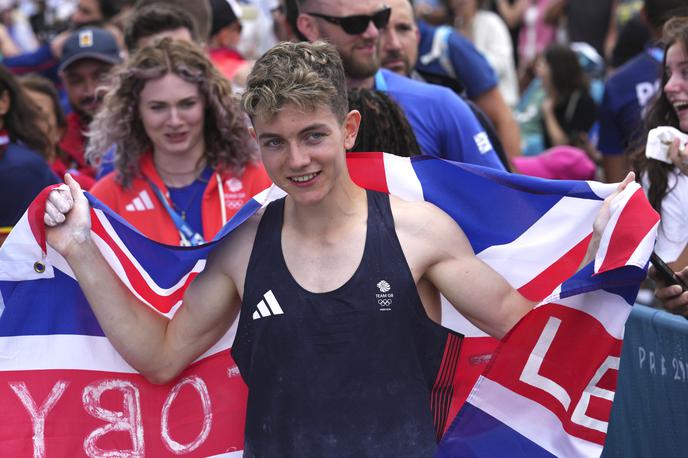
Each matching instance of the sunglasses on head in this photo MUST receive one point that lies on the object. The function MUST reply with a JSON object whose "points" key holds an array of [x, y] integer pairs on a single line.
{"points": [[358, 23]]}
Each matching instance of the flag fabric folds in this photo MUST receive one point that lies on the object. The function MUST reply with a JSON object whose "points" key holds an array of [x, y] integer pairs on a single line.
{"points": [[547, 389]]}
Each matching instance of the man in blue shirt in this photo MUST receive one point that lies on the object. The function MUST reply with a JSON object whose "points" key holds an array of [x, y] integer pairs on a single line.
{"points": [[629, 90], [448, 59], [443, 123]]}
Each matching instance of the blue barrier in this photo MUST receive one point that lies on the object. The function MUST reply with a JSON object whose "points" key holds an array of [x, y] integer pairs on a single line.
{"points": [[650, 412]]}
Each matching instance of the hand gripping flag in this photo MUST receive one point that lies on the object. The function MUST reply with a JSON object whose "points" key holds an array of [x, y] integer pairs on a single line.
{"points": [[66, 392]]}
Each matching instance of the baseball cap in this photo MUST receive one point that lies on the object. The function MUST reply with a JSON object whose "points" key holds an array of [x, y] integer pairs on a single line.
{"points": [[90, 43], [559, 163]]}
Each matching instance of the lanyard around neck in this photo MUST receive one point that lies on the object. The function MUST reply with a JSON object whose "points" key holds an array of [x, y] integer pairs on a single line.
{"points": [[189, 236]]}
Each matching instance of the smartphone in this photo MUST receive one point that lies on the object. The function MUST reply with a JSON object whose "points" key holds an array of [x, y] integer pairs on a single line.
{"points": [[665, 274]]}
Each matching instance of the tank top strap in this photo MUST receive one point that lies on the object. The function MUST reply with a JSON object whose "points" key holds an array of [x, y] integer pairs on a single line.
{"points": [[273, 217], [384, 243], [380, 209], [269, 234]]}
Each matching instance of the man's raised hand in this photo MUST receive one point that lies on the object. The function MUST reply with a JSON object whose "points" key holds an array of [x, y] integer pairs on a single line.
{"points": [[67, 217]]}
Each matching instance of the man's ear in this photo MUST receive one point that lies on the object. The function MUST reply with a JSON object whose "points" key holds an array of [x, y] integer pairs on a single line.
{"points": [[352, 122], [307, 26], [252, 132]]}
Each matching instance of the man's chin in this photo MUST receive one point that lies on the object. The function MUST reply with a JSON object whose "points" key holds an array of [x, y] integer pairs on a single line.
{"points": [[360, 69], [396, 68]]}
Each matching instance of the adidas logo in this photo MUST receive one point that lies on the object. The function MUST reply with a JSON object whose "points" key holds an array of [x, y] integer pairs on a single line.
{"points": [[268, 307], [140, 203]]}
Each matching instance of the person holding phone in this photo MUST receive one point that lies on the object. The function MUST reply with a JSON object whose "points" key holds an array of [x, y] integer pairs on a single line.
{"points": [[667, 184]]}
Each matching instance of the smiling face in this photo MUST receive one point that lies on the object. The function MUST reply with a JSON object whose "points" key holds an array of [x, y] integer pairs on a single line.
{"points": [[172, 111], [304, 151], [676, 87]]}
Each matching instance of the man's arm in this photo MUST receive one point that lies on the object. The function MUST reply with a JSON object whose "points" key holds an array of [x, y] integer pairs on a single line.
{"points": [[438, 251], [156, 347], [493, 105]]}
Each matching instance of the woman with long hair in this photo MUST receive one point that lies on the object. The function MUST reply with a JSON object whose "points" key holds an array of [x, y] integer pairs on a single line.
{"points": [[568, 110], [24, 170], [184, 159], [667, 184]]}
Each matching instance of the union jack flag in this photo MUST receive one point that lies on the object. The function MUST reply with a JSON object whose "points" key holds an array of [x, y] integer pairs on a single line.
{"points": [[544, 390]]}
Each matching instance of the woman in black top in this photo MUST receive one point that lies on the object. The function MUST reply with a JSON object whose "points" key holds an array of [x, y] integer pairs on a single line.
{"points": [[568, 111]]}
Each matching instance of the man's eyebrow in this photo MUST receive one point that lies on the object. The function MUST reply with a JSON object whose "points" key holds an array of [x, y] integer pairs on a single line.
{"points": [[315, 126]]}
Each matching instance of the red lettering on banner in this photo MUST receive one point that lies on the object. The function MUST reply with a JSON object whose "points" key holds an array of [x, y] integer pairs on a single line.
{"points": [[546, 367]]}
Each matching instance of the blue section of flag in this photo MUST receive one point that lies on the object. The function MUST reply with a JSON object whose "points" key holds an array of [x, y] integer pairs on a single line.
{"points": [[624, 282], [46, 307], [492, 208], [477, 434], [166, 264]]}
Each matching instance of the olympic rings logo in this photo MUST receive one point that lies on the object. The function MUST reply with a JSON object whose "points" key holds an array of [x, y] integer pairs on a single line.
{"points": [[233, 204], [384, 302]]}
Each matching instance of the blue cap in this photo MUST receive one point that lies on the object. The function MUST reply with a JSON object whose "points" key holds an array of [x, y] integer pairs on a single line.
{"points": [[90, 43]]}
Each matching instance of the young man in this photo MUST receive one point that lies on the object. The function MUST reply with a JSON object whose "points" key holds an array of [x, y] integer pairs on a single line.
{"points": [[88, 55], [331, 370]]}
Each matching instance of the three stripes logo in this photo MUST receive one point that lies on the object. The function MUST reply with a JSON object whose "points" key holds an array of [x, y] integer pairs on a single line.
{"points": [[142, 202], [267, 307]]}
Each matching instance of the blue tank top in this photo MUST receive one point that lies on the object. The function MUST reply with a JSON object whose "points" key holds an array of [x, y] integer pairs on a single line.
{"points": [[358, 371]]}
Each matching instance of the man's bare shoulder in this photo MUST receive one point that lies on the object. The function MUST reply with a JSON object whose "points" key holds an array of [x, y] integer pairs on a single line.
{"points": [[420, 218], [426, 232]]}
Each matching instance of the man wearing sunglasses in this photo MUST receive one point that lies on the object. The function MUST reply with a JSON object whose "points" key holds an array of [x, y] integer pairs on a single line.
{"points": [[443, 124]]}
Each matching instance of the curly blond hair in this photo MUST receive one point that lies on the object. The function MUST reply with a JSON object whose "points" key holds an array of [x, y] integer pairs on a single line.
{"points": [[304, 74], [228, 145]]}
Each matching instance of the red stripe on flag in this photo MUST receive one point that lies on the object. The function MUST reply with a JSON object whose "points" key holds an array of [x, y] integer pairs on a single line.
{"points": [[368, 170], [636, 220], [162, 303], [568, 362], [563, 268], [35, 214]]}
